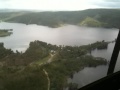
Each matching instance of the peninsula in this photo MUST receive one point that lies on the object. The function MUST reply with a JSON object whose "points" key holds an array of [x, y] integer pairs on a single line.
{"points": [[5, 32]]}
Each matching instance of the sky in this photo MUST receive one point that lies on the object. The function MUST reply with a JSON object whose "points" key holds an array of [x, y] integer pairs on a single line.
{"points": [[58, 5]]}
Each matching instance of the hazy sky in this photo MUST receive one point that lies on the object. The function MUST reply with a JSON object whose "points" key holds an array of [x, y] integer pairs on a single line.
{"points": [[58, 4]]}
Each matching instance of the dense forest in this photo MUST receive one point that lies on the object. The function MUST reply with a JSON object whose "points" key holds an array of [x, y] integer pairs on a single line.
{"points": [[109, 18], [44, 66]]}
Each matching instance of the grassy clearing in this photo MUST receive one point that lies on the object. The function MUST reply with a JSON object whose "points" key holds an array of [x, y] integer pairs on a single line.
{"points": [[42, 61]]}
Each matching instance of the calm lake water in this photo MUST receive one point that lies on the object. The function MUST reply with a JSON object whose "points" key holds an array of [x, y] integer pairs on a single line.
{"points": [[67, 35], [90, 74]]}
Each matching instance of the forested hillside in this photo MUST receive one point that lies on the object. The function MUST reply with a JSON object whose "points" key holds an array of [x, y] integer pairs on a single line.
{"points": [[109, 18], [44, 66]]}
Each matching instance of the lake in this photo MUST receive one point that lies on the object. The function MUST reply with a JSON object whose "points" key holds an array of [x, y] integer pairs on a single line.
{"points": [[90, 74], [67, 35]]}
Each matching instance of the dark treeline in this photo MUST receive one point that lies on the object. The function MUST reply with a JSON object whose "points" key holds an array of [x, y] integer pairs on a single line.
{"points": [[18, 70], [109, 18], [38, 50], [4, 52]]}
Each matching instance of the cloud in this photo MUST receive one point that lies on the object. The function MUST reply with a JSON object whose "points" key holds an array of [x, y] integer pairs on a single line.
{"points": [[107, 3], [4, 4], [46, 4], [112, 0], [59, 4], [3, 0]]}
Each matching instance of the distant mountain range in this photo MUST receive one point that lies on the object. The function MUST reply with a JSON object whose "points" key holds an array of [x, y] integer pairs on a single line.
{"points": [[9, 10], [109, 18], [18, 10]]}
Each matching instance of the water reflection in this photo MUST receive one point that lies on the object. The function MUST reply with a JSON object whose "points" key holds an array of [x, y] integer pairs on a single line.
{"points": [[67, 35], [90, 74]]}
